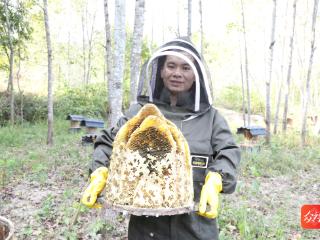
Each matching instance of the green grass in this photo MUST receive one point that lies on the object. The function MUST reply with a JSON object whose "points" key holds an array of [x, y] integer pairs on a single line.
{"points": [[25, 153], [25, 158], [283, 156], [252, 214], [247, 214]]}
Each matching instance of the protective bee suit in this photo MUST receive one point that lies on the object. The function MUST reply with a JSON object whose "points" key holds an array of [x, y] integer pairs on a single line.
{"points": [[210, 141]]}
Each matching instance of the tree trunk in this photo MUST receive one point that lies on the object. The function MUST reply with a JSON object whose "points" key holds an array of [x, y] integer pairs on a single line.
{"points": [[108, 55], [18, 85], [287, 94], [201, 27], [307, 94], [276, 118], [136, 48], [115, 92], [278, 101], [90, 40], [11, 58], [178, 22], [50, 76], [189, 17], [268, 82], [246, 63], [152, 34], [11, 85], [84, 57], [69, 60], [316, 101], [242, 88]]}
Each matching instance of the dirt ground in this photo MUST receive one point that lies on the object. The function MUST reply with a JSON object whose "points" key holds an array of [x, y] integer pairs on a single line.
{"points": [[26, 205], [46, 210], [45, 205], [281, 196]]}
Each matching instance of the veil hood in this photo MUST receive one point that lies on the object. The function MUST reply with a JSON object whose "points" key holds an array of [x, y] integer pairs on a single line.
{"points": [[151, 84]]}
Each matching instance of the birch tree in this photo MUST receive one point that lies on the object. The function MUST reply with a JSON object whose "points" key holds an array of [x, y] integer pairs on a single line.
{"points": [[136, 47], [115, 89], [50, 75], [268, 82], [307, 91], [288, 86]]}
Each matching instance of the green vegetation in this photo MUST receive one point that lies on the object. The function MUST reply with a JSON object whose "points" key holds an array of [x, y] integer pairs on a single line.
{"points": [[90, 101], [274, 183], [231, 98], [45, 185]]}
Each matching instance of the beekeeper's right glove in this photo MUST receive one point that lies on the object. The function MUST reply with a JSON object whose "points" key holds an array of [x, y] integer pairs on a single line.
{"points": [[97, 183]]}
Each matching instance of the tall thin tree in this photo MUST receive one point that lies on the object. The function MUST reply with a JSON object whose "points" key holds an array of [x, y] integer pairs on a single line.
{"points": [[9, 29], [15, 31], [88, 31], [201, 27], [178, 20], [115, 91], [50, 74], [279, 97], [84, 56], [242, 87], [90, 35], [189, 18], [18, 84], [287, 93], [307, 91], [276, 118], [268, 82], [136, 47], [108, 54], [246, 63]]}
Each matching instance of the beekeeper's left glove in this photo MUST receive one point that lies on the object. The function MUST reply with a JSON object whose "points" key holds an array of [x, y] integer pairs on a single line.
{"points": [[210, 195], [97, 183]]}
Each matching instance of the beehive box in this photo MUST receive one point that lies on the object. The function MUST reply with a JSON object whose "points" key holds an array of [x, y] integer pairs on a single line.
{"points": [[150, 170]]}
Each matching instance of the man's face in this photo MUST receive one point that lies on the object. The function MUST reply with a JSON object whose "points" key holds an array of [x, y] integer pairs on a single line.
{"points": [[177, 74]]}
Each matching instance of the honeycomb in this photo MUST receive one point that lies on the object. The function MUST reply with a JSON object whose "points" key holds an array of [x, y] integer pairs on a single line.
{"points": [[150, 171]]}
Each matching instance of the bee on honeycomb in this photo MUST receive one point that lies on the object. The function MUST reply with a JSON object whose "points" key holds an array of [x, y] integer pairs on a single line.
{"points": [[150, 169]]}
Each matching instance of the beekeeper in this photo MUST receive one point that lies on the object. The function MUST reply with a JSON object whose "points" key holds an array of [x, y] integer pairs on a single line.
{"points": [[176, 80]]}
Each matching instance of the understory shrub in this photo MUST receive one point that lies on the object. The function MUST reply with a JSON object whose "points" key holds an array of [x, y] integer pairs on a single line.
{"points": [[231, 98], [89, 101], [27, 107]]}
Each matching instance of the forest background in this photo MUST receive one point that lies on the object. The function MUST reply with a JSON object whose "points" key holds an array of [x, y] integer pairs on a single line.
{"points": [[235, 51], [264, 62]]}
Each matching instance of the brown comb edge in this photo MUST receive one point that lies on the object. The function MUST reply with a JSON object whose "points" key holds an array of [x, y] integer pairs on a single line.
{"points": [[159, 123]]}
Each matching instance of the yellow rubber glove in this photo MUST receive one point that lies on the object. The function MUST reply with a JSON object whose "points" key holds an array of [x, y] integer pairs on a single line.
{"points": [[210, 195], [97, 183]]}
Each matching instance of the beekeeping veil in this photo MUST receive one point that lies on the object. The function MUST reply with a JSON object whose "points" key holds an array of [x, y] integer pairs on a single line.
{"points": [[151, 84]]}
